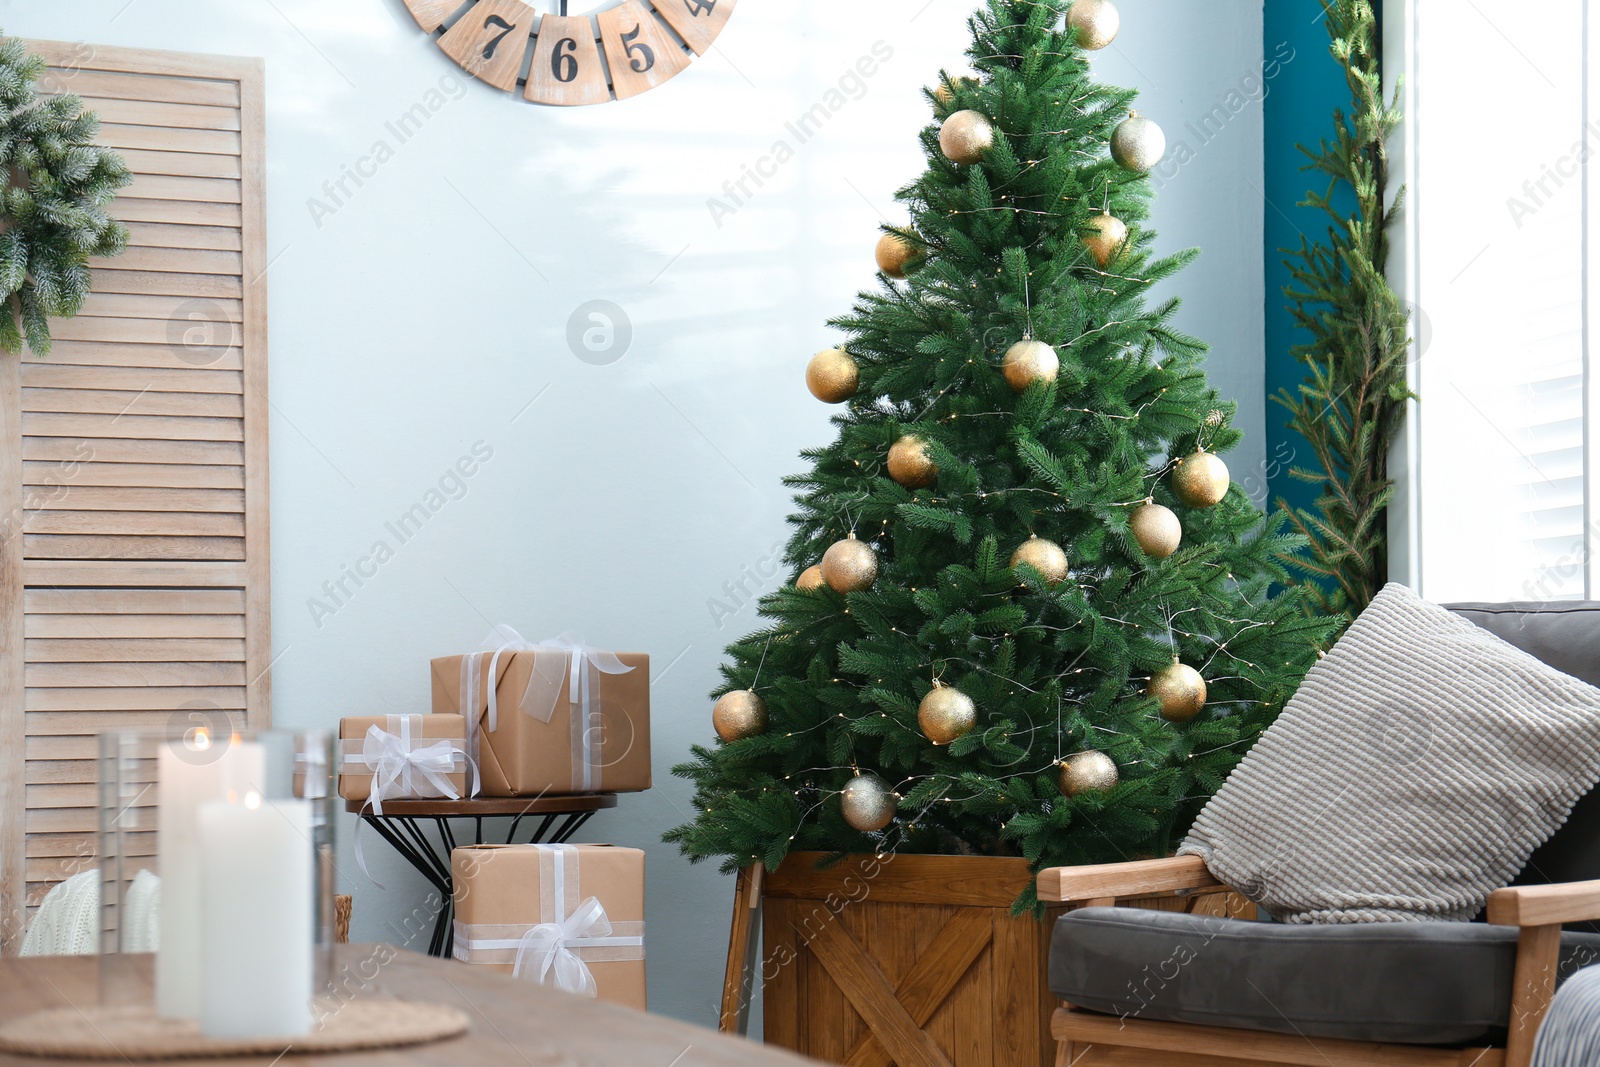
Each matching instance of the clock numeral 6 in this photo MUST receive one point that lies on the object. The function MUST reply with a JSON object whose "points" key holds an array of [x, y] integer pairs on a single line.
{"points": [[505, 28], [644, 57], [701, 7], [563, 62]]}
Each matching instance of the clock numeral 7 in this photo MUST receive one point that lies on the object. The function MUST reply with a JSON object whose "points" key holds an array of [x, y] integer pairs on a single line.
{"points": [[564, 61], [506, 27], [644, 57], [701, 7]]}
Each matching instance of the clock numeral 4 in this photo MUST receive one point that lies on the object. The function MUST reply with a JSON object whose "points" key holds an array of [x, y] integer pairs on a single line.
{"points": [[644, 57]]}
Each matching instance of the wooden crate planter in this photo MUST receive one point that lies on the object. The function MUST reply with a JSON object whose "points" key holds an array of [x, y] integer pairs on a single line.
{"points": [[907, 961]]}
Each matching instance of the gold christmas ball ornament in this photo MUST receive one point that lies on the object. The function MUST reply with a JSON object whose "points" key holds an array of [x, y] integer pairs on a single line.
{"points": [[868, 803], [1179, 690], [1089, 771], [832, 376], [896, 255], [1046, 557], [849, 566], [810, 578], [945, 714], [1096, 23], [1138, 144], [966, 136], [1108, 233], [1200, 480], [909, 463], [1157, 530], [1030, 361], [739, 714]]}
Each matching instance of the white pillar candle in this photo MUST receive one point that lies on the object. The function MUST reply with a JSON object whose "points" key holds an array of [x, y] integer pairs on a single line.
{"points": [[191, 770], [256, 919]]}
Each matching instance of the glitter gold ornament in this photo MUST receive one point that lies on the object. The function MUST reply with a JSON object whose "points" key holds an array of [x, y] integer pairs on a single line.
{"points": [[896, 255], [1096, 23], [966, 136], [849, 566], [1179, 690], [945, 714], [1157, 530], [909, 463], [739, 714], [832, 376], [1138, 144], [1089, 771], [1200, 480], [810, 578], [1046, 557], [1030, 361], [868, 803], [1108, 233]]}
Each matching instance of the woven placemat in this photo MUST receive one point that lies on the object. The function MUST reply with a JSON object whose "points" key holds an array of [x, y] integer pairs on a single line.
{"points": [[136, 1034]]}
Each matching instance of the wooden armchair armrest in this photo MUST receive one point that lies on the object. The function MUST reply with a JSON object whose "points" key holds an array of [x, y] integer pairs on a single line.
{"points": [[1142, 878], [1543, 905]]}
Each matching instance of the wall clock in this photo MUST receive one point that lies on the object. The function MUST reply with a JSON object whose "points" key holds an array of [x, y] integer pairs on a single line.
{"points": [[583, 51]]}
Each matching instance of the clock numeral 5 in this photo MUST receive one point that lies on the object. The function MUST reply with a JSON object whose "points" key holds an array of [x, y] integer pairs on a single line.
{"points": [[701, 7], [505, 28], [563, 61], [644, 57]]}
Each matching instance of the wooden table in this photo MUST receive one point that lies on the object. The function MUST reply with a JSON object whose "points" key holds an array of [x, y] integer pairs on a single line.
{"points": [[549, 819], [514, 1023]]}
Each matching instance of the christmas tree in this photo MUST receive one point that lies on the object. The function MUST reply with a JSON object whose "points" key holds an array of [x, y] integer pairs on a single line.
{"points": [[1029, 616], [52, 201]]}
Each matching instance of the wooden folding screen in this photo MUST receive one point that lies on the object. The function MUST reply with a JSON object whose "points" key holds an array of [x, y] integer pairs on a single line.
{"points": [[133, 494]]}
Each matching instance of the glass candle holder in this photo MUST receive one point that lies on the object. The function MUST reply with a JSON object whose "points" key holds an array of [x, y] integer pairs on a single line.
{"points": [[244, 815]]}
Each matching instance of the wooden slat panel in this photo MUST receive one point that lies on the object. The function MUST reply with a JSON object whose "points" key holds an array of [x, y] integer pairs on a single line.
{"points": [[13, 721], [193, 164], [106, 85], [173, 187], [133, 649], [165, 283], [85, 498], [84, 547], [113, 354], [170, 235], [181, 260], [157, 113], [166, 428], [58, 845], [134, 626], [58, 771], [128, 404], [131, 379], [117, 675], [139, 475], [182, 602], [219, 337], [46, 749], [75, 705], [151, 306], [169, 139], [111, 450], [63, 795]]}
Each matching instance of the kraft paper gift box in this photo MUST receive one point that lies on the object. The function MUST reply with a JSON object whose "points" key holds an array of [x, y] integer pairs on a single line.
{"points": [[573, 915], [551, 718], [410, 756]]}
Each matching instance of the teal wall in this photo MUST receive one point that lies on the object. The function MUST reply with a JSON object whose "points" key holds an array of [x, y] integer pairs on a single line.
{"points": [[1298, 110]]}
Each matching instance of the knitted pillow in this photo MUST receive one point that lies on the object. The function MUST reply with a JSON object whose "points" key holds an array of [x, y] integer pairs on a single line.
{"points": [[1421, 762]]}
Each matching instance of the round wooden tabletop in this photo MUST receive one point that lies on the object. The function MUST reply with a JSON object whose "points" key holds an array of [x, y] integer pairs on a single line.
{"points": [[481, 806]]}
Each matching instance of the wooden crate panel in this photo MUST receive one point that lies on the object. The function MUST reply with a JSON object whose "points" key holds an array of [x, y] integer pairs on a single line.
{"points": [[131, 379], [169, 139], [124, 403], [58, 601], [135, 626], [91, 547]]}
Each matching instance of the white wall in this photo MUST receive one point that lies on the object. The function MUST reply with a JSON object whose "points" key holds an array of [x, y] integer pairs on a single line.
{"points": [[406, 326]]}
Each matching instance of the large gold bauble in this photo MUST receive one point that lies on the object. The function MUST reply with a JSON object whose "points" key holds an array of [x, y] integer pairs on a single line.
{"points": [[896, 255], [832, 376], [966, 136], [945, 714], [739, 714], [909, 463], [849, 566], [1109, 233], [868, 803], [810, 578], [1200, 480], [1089, 771], [1180, 691], [1046, 557], [1030, 361], [1138, 144], [1157, 530], [1096, 22]]}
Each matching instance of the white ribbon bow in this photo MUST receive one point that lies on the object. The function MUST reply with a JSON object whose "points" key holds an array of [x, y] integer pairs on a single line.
{"points": [[395, 765], [546, 953], [578, 662]]}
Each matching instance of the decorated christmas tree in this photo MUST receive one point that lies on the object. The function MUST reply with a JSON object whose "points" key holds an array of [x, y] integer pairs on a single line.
{"points": [[1028, 614]]}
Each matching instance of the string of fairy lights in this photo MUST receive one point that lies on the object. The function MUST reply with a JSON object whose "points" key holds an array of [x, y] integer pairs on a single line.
{"points": [[1200, 480]]}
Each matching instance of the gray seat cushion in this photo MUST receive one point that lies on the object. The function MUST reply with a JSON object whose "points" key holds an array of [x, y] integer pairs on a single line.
{"points": [[1415, 983]]}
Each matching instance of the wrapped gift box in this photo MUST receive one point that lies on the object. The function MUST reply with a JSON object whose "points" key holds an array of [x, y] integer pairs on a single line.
{"points": [[566, 916], [552, 718], [413, 756]]}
